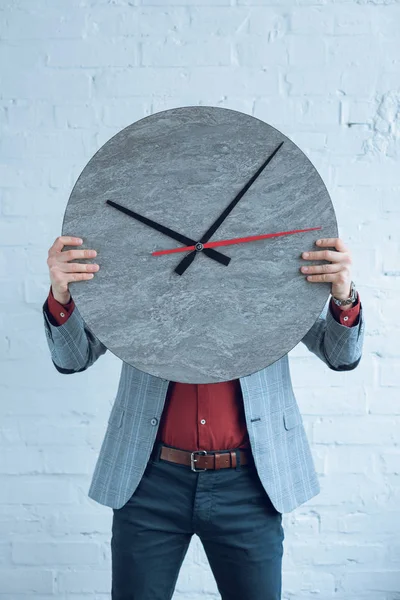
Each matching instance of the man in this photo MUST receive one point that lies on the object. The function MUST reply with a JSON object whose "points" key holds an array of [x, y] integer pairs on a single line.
{"points": [[221, 460]]}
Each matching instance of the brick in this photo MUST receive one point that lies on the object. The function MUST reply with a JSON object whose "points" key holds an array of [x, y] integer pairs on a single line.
{"points": [[303, 524], [310, 52], [14, 232], [348, 141], [50, 461], [387, 403], [32, 581], [362, 82], [344, 51], [172, 81], [35, 491], [375, 522], [384, 22], [84, 582], [89, 53], [291, 112], [336, 554], [218, 21], [374, 580], [311, 21], [355, 20], [264, 2], [43, 202], [56, 553], [17, 174], [136, 21], [122, 112], [23, 115], [187, 2], [326, 401], [38, 25], [313, 81], [208, 98], [361, 173], [140, 82], [349, 459], [310, 581], [259, 52], [51, 144], [177, 53], [389, 461], [270, 23], [356, 430], [389, 371], [80, 521], [307, 141], [55, 86], [355, 111]]}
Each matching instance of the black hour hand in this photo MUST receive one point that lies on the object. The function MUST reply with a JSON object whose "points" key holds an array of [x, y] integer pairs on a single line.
{"points": [[210, 252]]}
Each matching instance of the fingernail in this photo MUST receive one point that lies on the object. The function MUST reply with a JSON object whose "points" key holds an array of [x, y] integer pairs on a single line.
{"points": [[305, 269], [305, 254]]}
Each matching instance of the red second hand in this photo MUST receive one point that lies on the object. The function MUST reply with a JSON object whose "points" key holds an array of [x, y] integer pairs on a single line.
{"points": [[241, 240]]}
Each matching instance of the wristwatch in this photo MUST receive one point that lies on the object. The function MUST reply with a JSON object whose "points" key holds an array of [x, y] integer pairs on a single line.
{"points": [[350, 300]]}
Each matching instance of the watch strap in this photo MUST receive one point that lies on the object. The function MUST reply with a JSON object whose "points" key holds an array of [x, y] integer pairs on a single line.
{"points": [[350, 300]]}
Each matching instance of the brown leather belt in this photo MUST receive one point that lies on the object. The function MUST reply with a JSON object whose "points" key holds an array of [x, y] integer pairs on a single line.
{"points": [[200, 460]]}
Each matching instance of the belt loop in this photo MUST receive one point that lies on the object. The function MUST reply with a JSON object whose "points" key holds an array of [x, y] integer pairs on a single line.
{"points": [[237, 468], [157, 450]]}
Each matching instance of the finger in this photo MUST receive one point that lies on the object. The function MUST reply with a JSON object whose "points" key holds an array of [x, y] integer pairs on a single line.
{"points": [[78, 267], [64, 240], [333, 243], [76, 254], [61, 278], [325, 278], [340, 278], [78, 276], [319, 269], [329, 255]]}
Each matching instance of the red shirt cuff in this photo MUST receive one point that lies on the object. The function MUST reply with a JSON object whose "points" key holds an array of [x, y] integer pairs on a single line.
{"points": [[59, 312], [348, 317]]}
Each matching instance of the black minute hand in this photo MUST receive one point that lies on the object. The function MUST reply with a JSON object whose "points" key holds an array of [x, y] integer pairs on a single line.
{"points": [[214, 254], [185, 262]]}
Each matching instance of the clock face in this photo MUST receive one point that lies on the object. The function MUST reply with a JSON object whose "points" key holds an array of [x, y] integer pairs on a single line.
{"points": [[177, 178]]}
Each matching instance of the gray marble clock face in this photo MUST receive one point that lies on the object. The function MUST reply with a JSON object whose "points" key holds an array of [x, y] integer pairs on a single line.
{"points": [[182, 168]]}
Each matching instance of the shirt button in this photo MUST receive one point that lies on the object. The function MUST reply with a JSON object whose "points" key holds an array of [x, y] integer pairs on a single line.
{"points": [[62, 314], [345, 318], [154, 421], [203, 422]]}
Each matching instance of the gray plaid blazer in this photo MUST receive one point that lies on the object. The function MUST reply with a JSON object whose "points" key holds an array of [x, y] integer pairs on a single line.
{"points": [[278, 440]]}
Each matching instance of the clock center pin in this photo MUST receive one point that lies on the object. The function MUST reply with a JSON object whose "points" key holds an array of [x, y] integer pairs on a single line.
{"points": [[199, 246]]}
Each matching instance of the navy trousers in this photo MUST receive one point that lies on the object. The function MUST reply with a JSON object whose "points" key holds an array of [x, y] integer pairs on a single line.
{"points": [[228, 509]]}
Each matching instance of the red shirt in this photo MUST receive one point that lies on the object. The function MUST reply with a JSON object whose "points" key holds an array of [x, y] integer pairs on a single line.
{"points": [[203, 416]]}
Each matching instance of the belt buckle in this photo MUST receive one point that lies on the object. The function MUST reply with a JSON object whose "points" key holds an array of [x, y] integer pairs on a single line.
{"points": [[193, 460]]}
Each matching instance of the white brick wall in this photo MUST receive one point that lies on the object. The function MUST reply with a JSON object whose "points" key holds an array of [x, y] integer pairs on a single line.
{"points": [[74, 72]]}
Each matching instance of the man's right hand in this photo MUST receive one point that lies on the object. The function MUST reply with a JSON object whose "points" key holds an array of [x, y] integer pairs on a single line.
{"points": [[62, 271]]}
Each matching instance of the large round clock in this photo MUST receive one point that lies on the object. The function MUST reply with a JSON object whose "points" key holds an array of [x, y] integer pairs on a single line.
{"points": [[199, 216]]}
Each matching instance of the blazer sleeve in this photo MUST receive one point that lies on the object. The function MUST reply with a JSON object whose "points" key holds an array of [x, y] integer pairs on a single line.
{"points": [[73, 347], [338, 346]]}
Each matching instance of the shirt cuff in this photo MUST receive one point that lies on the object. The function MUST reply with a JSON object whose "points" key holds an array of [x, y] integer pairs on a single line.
{"points": [[349, 317], [59, 312]]}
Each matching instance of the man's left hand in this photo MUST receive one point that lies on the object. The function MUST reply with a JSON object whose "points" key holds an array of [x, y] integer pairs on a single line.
{"points": [[338, 273]]}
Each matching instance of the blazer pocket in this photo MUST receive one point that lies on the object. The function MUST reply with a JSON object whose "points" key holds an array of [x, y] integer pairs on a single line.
{"points": [[291, 417], [116, 416]]}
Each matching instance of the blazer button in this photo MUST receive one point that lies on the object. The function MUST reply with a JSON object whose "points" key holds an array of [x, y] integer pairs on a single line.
{"points": [[154, 421]]}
